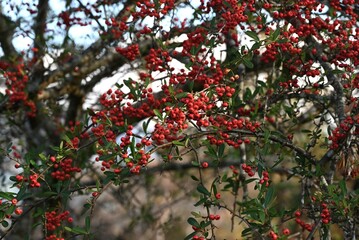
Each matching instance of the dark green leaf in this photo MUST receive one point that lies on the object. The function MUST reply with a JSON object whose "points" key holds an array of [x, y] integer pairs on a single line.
{"points": [[269, 196], [7, 196], [275, 34], [190, 236], [193, 222], [76, 230], [181, 95], [158, 113], [221, 150], [253, 35], [343, 187], [178, 143], [248, 63], [194, 163], [200, 202], [87, 223], [203, 190], [5, 224], [194, 178]]}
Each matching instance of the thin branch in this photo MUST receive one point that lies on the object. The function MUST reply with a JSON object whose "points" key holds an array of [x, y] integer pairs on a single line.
{"points": [[40, 26], [7, 31]]}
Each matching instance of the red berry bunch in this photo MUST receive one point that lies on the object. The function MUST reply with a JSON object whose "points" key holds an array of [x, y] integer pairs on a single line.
{"points": [[33, 180], [214, 217], [341, 133], [16, 82], [325, 215], [156, 60], [54, 237], [130, 52], [265, 179], [64, 169], [234, 170], [304, 225], [272, 235], [248, 169], [54, 219]]}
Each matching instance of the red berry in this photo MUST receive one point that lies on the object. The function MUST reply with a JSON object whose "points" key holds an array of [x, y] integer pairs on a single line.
{"points": [[14, 201], [218, 195], [205, 164], [286, 231], [18, 211]]}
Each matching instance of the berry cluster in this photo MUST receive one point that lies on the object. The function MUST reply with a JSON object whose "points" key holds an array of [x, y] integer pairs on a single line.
{"points": [[214, 217], [325, 214], [16, 82], [130, 52], [272, 235], [304, 225], [64, 169], [265, 179], [341, 133], [54, 219], [234, 170], [248, 169], [54, 237], [33, 180]]}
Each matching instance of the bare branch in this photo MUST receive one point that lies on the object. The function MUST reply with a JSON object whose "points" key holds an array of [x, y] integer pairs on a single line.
{"points": [[7, 30]]}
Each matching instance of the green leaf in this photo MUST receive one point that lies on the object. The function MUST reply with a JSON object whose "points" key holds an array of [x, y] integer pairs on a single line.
{"points": [[87, 223], [43, 157], [67, 139], [275, 34], [203, 190], [256, 46], [178, 143], [76, 230], [196, 215], [262, 216], [181, 95], [214, 188], [193, 222], [7, 196], [194, 163], [248, 63], [200, 202], [158, 113], [106, 157], [47, 194], [5, 224], [221, 150], [204, 224], [194, 178], [253, 35], [269, 196], [343, 187], [145, 125], [10, 210], [190, 236], [246, 232]]}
